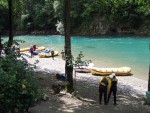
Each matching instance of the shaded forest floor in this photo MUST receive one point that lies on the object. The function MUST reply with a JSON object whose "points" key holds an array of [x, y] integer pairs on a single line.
{"points": [[86, 99]]}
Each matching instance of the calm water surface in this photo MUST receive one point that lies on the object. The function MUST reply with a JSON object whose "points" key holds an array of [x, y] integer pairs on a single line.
{"points": [[104, 51]]}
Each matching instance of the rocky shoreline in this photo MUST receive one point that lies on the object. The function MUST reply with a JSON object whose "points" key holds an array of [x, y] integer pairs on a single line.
{"points": [[54, 32]]}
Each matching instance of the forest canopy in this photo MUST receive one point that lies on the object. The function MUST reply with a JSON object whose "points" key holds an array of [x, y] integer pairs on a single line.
{"points": [[32, 15]]}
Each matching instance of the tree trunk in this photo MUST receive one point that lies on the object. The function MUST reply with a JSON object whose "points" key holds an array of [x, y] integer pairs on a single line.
{"points": [[1, 46], [10, 41], [68, 66], [149, 72]]}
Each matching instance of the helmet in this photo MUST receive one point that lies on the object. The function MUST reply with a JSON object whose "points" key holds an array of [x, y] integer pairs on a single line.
{"points": [[112, 75]]}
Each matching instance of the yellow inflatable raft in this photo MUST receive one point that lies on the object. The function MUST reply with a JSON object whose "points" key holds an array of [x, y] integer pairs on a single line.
{"points": [[27, 49], [84, 69], [46, 55], [108, 71], [40, 48], [24, 49]]}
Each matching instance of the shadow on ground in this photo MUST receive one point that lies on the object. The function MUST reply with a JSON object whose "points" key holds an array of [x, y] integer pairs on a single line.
{"points": [[128, 100]]}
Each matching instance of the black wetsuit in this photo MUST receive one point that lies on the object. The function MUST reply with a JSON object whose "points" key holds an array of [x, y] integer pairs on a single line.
{"points": [[113, 89], [103, 90], [52, 54]]}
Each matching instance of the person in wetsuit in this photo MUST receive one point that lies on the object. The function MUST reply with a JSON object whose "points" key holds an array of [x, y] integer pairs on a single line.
{"points": [[103, 89], [113, 88]]}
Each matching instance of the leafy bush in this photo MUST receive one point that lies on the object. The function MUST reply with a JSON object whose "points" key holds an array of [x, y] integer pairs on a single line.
{"points": [[18, 85]]}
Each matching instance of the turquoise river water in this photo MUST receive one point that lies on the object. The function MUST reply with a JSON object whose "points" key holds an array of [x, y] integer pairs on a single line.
{"points": [[104, 51]]}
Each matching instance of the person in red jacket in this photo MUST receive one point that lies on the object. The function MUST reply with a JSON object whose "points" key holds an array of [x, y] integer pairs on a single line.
{"points": [[31, 51], [34, 47]]}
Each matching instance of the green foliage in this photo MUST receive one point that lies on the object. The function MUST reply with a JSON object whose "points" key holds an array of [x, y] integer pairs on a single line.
{"points": [[70, 60], [78, 61], [18, 85], [79, 58], [3, 17], [58, 6], [4, 3], [43, 14], [39, 15]]}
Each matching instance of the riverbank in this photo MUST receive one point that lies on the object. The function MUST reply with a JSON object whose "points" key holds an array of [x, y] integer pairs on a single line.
{"points": [[104, 51], [58, 65], [130, 94]]}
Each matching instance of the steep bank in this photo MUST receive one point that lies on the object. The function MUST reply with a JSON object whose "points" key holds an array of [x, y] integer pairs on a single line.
{"points": [[101, 25], [97, 26]]}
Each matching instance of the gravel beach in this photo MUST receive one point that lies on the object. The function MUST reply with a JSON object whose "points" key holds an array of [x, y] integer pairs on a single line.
{"points": [[130, 94]]}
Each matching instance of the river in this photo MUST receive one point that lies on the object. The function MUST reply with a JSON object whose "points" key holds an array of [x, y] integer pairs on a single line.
{"points": [[104, 51]]}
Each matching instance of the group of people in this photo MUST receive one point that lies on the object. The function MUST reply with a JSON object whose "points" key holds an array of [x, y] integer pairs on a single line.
{"points": [[107, 86], [33, 48], [62, 54]]}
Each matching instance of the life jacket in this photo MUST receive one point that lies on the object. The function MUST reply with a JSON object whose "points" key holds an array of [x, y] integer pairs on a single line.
{"points": [[104, 82], [62, 52], [114, 82]]}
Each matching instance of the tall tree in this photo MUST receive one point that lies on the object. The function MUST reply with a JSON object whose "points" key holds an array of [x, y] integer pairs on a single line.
{"points": [[10, 41], [149, 72], [68, 66]]}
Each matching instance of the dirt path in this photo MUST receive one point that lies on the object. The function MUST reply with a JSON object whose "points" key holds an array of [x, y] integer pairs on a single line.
{"points": [[129, 101]]}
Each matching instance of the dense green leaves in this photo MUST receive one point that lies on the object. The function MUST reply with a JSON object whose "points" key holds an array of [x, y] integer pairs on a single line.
{"points": [[18, 85], [4, 20], [43, 14]]}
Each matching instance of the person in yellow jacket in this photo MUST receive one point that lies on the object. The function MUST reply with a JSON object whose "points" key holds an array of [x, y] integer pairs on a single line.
{"points": [[63, 54], [103, 89], [113, 87]]}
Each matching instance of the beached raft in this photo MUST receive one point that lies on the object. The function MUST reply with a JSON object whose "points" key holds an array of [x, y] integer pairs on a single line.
{"points": [[46, 55], [28, 48], [40, 48], [108, 71], [84, 69], [24, 49]]}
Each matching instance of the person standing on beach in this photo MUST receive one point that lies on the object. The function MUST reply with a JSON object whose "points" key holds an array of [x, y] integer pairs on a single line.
{"points": [[31, 51], [113, 87], [17, 47], [52, 54], [34, 47], [63, 54], [103, 89]]}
